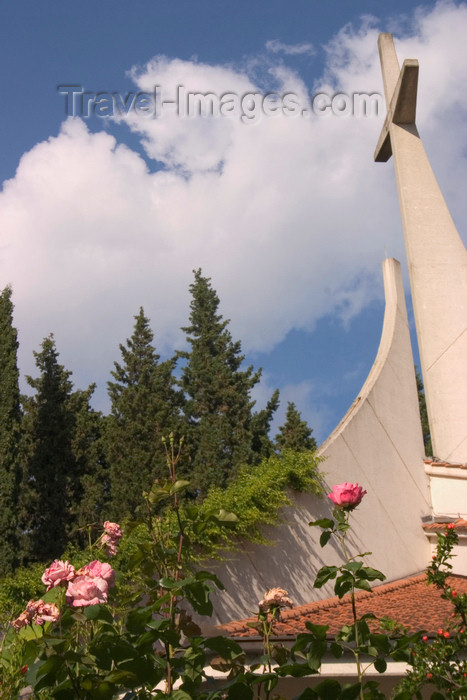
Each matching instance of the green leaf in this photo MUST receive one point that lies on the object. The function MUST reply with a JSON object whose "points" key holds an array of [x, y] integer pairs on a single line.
{"points": [[340, 515], [198, 595], [327, 523], [328, 689], [170, 583], [63, 693], [137, 620], [336, 650], [122, 677], [363, 584], [180, 695], [104, 691], [319, 631], [353, 566], [325, 537], [380, 665], [240, 691], [372, 574], [316, 651], [296, 670], [98, 612], [325, 574], [308, 694], [227, 648], [53, 663], [350, 692], [208, 576], [178, 486], [381, 642], [342, 587], [225, 517]]}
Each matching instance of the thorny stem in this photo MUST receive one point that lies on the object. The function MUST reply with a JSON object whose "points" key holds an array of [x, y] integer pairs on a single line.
{"points": [[354, 615], [173, 458], [267, 631]]}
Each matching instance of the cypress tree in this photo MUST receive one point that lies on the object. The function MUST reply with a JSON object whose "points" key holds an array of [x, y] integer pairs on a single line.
{"points": [[146, 404], [295, 434], [423, 415], [50, 477], [218, 403], [263, 446], [10, 422], [91, 484]]}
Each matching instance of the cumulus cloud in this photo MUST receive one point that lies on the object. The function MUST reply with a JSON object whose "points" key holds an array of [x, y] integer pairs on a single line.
{"points": [[276, 46], [287, 213]]}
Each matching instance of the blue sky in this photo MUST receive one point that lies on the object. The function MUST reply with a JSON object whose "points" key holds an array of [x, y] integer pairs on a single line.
{"points": [[287, 213]]}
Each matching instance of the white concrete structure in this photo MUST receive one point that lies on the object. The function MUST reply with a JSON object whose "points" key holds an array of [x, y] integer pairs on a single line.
{"points": [[437, 261], [378, 444]]}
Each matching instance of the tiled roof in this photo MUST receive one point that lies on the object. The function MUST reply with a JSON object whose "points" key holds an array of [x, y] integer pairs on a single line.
{"points": [[433, 462], [409, 601], [459, 524]]}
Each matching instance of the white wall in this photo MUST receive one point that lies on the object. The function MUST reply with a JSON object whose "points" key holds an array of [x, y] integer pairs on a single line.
{"points": [[378, 444]]}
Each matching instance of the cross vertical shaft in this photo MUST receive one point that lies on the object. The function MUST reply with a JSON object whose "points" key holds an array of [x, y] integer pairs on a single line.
{"points": [[437, 261]]}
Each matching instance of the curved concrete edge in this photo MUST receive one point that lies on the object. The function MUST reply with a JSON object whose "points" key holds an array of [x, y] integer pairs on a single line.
{"points": [[378, 444], [393, 341]]}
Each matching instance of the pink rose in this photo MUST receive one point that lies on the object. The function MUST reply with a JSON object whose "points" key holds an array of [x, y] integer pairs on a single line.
{"points": [[38, 612], [32, 607], [97, 569], [346, 495], [111, 545], [113, 529], [86, 590], [57, 573], [275, 597], [21, 621], [46, 612]]}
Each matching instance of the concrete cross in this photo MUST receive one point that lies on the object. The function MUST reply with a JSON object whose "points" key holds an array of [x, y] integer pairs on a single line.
{"points": [[436, 257], [400, 89]]}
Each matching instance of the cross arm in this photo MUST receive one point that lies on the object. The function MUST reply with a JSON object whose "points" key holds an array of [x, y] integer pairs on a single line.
{"points": [[402, 108]]}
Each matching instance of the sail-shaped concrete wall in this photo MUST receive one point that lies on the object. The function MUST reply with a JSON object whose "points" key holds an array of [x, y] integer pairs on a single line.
{"points": [[378, 444]]}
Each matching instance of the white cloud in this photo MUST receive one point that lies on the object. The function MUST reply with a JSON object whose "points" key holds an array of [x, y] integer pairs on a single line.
{"points": [[288, 215], [276, 46]]}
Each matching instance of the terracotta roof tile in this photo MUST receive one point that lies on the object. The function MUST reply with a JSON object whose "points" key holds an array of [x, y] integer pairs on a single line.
{"points": [[433, 462], [409, 601], [459, 524]]}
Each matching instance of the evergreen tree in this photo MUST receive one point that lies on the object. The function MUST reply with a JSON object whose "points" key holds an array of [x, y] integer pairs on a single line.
{"points": [[92, 481], [423, 415], [146, 406], [10, 421], [263, 446], [295, 434], [50, 480], [218, 403]]}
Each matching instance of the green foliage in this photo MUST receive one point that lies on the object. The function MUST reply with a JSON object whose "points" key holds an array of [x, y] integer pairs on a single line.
{"points": [[295, 434], [51, 485], [423, 415], [261, 443], [143, 643], [145, 405], [87, 444], [16, 588], [218, 409], [257, 496], [64, 481], [441, 662], [10, 434]]}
